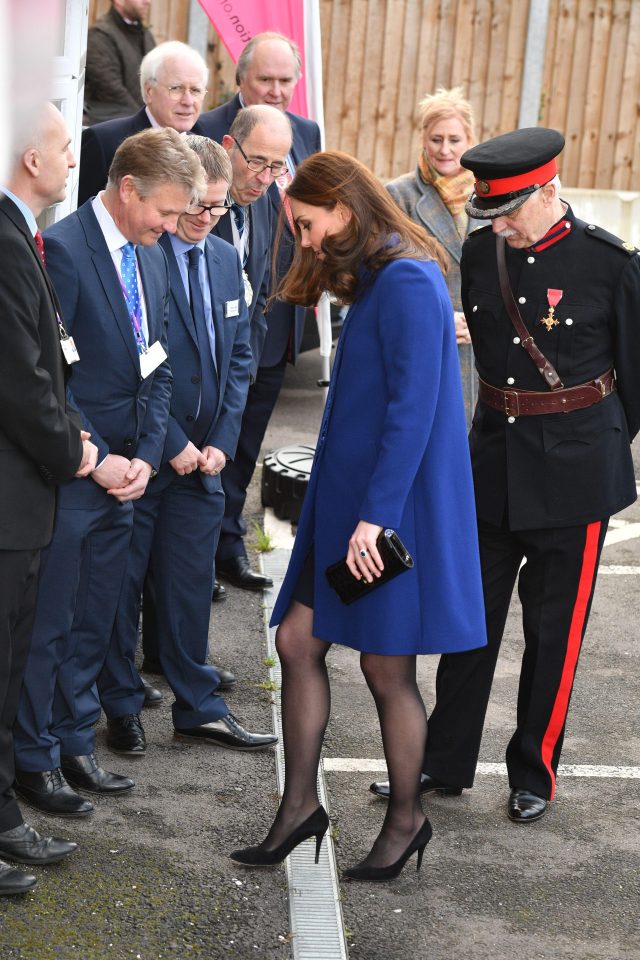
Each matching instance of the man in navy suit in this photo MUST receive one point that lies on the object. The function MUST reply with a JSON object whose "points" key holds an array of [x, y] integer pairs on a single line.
{"points": [[173, 82], [267, 72], [266, 134], [113, 285], [177, 521]]}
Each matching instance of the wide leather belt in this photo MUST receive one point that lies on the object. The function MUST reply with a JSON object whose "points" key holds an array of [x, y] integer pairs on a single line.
{"points": [[528, 403]]}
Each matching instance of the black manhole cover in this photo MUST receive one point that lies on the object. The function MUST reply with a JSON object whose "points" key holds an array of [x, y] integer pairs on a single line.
{"points": [[285, 475]]}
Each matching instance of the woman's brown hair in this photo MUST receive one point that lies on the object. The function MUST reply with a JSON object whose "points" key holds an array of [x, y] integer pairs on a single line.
{"points": [[376, 233]]}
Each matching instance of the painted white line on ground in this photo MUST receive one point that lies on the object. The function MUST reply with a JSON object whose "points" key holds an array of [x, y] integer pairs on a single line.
{"points": [[363, 765], [620, 570], [630, 531]]}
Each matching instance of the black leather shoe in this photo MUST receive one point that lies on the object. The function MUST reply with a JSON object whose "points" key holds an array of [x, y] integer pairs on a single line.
{"points": [[14, 881], [149, 665], [126, 735], [227, 732], [49, 792], [84, 772], [219, 593], [525, 806], [25, 845], [227, 679], [238, 572], [152, 696], [427, 785]]}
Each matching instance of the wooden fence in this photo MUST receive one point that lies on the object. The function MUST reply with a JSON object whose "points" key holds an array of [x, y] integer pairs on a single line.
{"points": [[381, 56]]}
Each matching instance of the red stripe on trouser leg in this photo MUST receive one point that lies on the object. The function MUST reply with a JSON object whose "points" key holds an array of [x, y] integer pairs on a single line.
{"points": [[561, 704]]}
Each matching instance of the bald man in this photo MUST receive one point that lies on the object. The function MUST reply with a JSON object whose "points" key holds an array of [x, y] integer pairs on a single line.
{"points": [[267, 72]]}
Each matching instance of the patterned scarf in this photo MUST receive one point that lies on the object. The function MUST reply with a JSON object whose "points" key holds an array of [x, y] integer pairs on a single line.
{"points": [[453, 191]]}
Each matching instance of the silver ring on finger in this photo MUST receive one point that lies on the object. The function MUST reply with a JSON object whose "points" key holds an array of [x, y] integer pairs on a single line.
{"points": [[364, 553]]}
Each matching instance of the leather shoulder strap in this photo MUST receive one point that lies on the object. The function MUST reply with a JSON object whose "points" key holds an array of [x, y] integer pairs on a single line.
{"points": [[547, 370]]}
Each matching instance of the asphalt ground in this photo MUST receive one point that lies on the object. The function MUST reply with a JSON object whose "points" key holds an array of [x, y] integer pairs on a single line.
{"points": [[151, 878]]}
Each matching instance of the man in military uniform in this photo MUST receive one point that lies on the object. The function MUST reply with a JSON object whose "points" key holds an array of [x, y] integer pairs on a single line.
{"points": [[551, 460]]}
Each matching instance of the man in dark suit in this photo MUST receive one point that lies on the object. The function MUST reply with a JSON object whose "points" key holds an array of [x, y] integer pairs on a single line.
{"points": [[173, 81], [266, 134], [267, 72], [41, 446], [552, 306], [177, 521], [114, 290]]}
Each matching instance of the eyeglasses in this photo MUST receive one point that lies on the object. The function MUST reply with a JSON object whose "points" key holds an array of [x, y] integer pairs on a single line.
{"points": [[257, 165], [197, 209], [178, 90]]}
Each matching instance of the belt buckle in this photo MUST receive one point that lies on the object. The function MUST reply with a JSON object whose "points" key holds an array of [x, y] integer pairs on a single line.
{"points": [[509, 397]]}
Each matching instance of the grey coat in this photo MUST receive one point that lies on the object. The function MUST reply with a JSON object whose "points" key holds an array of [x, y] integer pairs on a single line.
{"points": [[423, 204]]}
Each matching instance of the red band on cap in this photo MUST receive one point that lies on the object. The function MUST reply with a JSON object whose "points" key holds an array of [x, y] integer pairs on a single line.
{"points": [[496, 188]]}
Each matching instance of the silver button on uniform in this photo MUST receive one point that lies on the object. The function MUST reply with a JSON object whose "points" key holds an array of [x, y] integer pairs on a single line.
{"points": [[511, 419], [522, 299], [510, 380], [531, 259], [516, 339], [568, 321]]}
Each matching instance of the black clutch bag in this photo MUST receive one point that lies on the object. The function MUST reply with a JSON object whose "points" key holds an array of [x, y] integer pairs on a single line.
{"points": [[395, 557]]}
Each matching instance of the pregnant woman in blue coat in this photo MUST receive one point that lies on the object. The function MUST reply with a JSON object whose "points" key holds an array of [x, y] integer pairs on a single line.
{"points": [[392, 453]]}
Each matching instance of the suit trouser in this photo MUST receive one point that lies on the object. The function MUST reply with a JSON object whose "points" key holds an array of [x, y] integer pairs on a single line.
{"points": [[236, 476], [19, 583], [556, 587], [175, 532], [80, 578]]}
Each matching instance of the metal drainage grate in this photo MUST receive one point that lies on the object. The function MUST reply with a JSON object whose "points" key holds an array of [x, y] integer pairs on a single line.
{"points": [[314, 895]]}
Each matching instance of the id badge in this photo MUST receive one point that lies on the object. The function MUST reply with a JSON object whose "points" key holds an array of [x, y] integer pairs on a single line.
{"points": [[151, 359], [69, 350], [232, 308]]}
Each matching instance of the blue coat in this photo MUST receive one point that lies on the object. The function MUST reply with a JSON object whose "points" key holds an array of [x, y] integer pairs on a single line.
{"points": [[392, 450]]}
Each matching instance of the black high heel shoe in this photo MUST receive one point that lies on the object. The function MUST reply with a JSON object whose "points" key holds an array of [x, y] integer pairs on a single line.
{"points": [[379, 874], [314, 826]]}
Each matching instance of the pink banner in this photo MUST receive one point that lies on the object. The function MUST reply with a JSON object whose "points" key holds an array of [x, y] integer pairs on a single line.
{"points": [[237, 21]]}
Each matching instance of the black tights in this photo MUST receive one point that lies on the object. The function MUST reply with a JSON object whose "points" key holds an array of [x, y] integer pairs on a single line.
{"points": [[306, 703]]}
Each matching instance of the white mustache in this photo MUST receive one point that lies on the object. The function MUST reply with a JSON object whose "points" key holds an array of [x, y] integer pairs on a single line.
{"points": [[506, 233]]}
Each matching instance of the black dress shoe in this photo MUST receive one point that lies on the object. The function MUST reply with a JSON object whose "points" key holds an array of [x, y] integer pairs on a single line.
{"points": [[25, 845], [126, 735], [427, 785], [84, 772], [149, 665], [227, 679], [238, 572], [49, 792], [227, 732], [219, 593], [152, 696], [525, 806], [14, 881]]}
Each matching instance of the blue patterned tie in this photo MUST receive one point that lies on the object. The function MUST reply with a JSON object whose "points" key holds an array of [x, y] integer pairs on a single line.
{"points": [[208, 385], [129, 275]]}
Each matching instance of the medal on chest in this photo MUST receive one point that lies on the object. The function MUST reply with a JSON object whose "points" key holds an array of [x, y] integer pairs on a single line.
{"points": [[553, 299]]}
